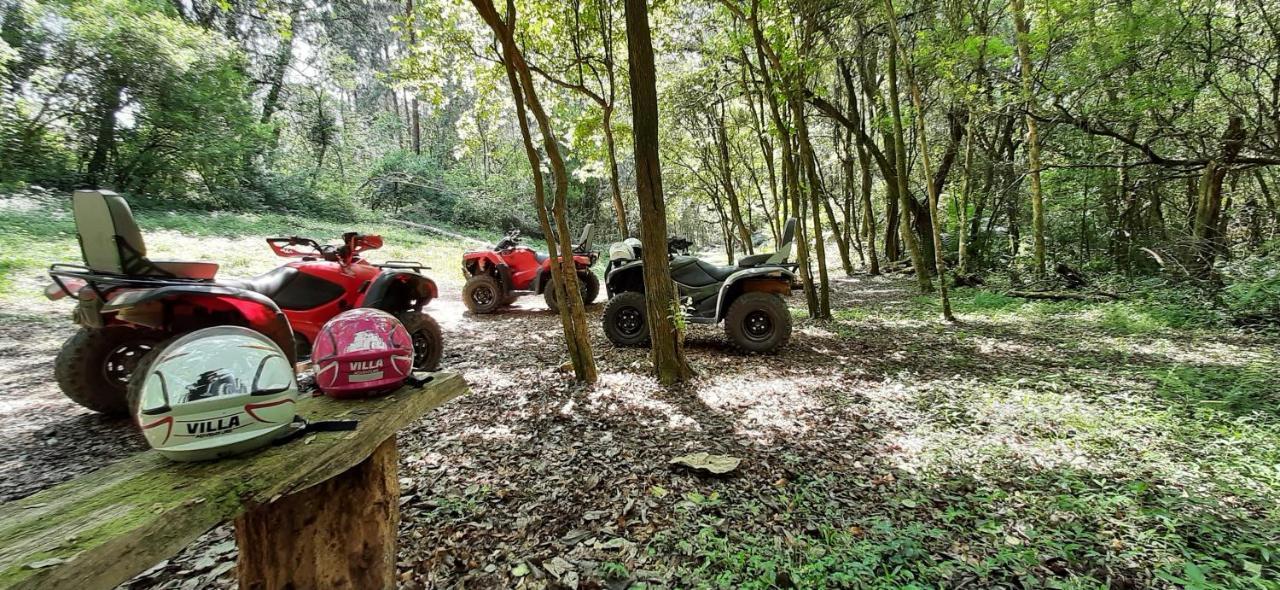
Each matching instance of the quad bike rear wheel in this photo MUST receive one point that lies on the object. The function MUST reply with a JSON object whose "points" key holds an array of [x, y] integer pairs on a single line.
{"points": [[624, 319], [428, 342], [483, 294], [588, 285], [94, 365], [758, 322]]}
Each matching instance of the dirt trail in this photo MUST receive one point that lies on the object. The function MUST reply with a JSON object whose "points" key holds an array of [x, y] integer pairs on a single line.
{"points": [[527, 457]]}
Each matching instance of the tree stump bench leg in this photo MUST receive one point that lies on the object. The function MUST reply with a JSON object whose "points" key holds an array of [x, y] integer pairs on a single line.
{"points": [[338, 534]]}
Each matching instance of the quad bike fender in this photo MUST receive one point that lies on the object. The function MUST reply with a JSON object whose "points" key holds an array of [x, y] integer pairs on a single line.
{"points": [[181, 308], [543, 278], [480, 261], [628, 277], [768, 279], [396, 291]]}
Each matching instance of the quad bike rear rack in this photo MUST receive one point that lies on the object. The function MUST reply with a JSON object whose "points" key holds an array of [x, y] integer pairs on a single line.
{"points": [[417, 267], [101, 282]]}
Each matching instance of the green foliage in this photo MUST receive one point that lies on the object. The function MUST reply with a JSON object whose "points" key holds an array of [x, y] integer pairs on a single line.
{"points": [[176, 93], [1252, 293]]}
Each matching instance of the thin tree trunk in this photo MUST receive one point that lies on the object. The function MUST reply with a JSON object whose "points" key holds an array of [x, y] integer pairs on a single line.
{"points": [[524, 94], [1033, 137], [615, 190], [789, 169], [933, 187], [815, 205], [726, 179], [105, 142], [900, 149], [868, 213], [962, 213], [415, 122]]}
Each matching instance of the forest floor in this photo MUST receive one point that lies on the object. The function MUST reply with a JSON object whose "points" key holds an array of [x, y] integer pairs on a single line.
{"points": [[1032, 444]]}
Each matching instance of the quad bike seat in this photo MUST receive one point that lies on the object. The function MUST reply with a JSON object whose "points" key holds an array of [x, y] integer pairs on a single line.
{"points": [[290, 288], [111, 243], [269, 284], [693, 272], [781, 256]]}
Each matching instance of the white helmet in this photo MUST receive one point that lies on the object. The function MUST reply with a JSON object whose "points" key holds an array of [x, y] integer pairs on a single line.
{"points": [[216, 392]]}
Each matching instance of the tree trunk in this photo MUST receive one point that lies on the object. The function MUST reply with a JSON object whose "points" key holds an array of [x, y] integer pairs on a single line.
{"points": [[615, 190], [726, 179], [868, 213], [524, 94], [900, 149], [279, 67], [661, 304], [338, 534], [105, 142], [933, 187], [1033, 137], [815, 206], [790, 181], [415, 117], [962, 213]]}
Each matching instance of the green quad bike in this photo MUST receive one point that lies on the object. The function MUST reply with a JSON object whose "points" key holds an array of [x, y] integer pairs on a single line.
{"points": [[748, 297]]}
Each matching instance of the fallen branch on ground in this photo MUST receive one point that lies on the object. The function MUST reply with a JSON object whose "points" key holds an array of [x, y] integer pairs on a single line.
{"points": [[1095, 297]]}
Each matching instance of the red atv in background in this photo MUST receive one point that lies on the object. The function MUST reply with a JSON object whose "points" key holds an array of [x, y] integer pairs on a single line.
{"points": [[497, 276], [127, 304]]}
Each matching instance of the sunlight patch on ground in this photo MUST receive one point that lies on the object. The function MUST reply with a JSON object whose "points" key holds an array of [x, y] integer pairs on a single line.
{"points": [[627, 392]]}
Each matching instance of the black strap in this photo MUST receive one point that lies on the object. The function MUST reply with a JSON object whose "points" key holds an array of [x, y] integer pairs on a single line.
{"points": [[418, 382], [302, 427]]}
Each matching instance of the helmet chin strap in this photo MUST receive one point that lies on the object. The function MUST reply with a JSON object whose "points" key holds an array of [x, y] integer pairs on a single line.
{"points": [[419, 382], [301, 427]]}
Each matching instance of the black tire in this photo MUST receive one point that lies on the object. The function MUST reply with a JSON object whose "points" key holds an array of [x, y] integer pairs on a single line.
{"points": [[483, 294], [428, 342], [588, 286], [758, 322], [591, 287], [94, 365], [624, 319]]}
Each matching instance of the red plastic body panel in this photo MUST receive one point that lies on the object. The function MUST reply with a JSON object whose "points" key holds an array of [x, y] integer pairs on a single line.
{"points": [[350, 277]]}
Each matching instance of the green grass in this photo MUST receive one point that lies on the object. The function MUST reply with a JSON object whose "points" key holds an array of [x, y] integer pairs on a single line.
{"points": [[1051, 445], [32, 239]]}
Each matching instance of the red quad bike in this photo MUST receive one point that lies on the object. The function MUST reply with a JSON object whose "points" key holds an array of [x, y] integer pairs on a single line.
{"points": [[128, 305], [497, 276]]}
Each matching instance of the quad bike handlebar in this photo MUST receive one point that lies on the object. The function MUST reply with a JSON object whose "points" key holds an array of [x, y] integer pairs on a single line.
{"points": [[299, 247], [509, 241]]}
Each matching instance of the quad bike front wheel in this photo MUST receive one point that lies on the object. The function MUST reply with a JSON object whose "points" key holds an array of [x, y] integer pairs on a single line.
{"points": [[758, 322], [428, 342], [624, 319], [94, 365], [588, 286], [483, 294]]}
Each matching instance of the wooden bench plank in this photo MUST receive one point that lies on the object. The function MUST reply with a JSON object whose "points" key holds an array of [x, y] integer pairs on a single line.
{"points": [[99, 530]]}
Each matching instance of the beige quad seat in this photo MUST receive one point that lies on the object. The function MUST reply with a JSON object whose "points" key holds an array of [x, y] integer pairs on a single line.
{"points": [[112, 244]]}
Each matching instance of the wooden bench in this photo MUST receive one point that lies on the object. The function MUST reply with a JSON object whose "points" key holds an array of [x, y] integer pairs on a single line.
{"points": [[318, 512]]}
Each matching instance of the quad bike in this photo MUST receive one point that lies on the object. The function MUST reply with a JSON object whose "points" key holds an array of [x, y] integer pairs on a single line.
{"points": [[497, 276], [746, 297], [128, 305]]}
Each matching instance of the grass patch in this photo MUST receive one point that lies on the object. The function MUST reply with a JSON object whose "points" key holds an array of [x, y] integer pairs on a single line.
{"points": [[1239, 390], [32, 239]]}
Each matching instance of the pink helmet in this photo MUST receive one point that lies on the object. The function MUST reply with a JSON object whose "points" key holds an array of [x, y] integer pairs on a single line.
{"points": [[362, 352]]}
